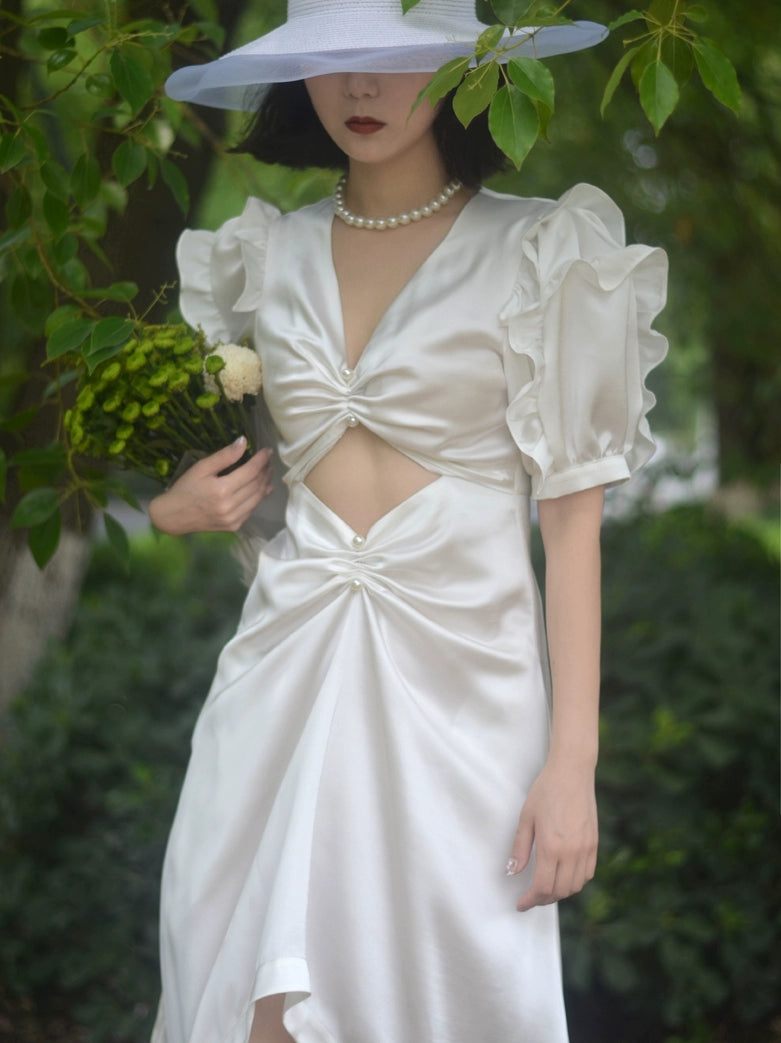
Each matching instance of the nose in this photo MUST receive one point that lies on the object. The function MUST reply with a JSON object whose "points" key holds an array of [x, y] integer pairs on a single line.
{"points": [[360, 85]]}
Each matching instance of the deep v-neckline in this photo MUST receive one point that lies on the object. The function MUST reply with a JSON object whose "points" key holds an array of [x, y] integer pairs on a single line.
{"points": [[343, 361]]}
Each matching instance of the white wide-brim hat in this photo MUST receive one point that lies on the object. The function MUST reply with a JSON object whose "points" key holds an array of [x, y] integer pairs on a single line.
{"points": [[326, 36]]}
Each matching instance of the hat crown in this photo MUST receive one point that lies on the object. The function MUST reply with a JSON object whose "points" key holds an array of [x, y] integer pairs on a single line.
{"points": [[367, 10]]}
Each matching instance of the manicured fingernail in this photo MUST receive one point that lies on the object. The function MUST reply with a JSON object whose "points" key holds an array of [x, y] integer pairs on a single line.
{"points": [[240, 441], [512, 867]]}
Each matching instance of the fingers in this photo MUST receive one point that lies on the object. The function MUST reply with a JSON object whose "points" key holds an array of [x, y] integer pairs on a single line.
{"points": [[522, 847], [223, 458], [557, 876]]}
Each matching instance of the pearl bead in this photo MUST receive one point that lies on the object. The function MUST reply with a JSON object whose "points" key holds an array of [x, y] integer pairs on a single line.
{"points": [[352, 420], [356, 585], [347, 373], [358, 542], [380, 224]]}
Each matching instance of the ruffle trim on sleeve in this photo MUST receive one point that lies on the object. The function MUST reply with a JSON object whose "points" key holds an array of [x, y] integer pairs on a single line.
{"points": [[222, 272], [574, 252]]}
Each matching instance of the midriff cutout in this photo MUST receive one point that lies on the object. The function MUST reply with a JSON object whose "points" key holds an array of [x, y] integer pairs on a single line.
{"points": [[363, 478]]}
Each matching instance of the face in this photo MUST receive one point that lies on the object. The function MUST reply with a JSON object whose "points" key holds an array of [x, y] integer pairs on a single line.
{"points": [[368, 114]]}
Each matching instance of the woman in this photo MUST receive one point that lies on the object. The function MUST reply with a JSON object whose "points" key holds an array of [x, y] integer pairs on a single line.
{"points": [[379, 816]]}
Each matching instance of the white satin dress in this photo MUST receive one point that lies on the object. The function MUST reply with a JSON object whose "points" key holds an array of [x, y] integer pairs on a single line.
{"points": [[360, 763]]}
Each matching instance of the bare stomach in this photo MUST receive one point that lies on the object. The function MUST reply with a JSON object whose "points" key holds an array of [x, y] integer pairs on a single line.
{"points": [[363, 477]]}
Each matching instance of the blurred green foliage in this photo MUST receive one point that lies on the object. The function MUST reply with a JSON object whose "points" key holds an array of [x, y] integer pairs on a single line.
{"points": [[92, 760], [680, 929], [675, 940]]}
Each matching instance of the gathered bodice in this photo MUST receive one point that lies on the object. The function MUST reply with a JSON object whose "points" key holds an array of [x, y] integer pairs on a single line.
{"points": [[527, 327], [430, 381]]}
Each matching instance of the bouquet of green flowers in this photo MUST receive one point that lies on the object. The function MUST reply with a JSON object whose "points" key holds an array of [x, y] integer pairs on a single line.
{"points": [[163, 397]]}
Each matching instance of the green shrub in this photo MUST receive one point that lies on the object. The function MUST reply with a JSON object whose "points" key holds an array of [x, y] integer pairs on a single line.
{"points": [[92, 761], [679, 935]]}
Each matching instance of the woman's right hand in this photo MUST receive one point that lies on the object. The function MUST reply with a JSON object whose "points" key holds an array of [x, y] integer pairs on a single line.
{"points": [[203, 500]]}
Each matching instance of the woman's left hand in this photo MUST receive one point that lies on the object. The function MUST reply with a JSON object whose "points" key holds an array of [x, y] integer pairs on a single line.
{"points": [[560, 819]]}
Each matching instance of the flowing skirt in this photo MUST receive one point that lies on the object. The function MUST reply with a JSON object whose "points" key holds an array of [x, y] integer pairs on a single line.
{"points": [[356, 778]]}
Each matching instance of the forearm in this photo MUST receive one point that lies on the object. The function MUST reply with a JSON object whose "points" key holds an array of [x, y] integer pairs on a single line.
{"points": [[570, 528]]}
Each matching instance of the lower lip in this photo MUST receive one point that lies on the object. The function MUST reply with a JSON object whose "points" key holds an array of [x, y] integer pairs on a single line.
{"points": [[364, 128]]}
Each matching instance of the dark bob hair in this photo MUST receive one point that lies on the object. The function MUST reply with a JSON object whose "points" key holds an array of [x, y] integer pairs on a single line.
{"points": [[285, 129]]}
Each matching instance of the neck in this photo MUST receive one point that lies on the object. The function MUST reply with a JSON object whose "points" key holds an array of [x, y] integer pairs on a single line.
{"points": [[406, 182]]}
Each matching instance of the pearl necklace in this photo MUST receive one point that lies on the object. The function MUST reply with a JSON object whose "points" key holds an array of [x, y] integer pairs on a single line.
{"points": [[379, 224]]}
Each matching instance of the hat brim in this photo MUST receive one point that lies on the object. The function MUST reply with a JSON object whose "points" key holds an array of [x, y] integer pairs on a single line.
{"points": [[227, 82]]}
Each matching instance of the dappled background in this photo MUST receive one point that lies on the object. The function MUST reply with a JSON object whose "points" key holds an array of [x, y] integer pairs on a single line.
{"points": [[677, 939]]}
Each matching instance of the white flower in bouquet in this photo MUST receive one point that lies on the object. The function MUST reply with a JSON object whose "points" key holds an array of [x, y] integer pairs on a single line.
{"points": [[241, 374]]}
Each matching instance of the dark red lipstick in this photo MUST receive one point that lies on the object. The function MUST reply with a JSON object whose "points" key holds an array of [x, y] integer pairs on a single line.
{"points": [[363, 125]]}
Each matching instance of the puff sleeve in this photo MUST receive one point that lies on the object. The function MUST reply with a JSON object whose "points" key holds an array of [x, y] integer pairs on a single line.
{"points": [[221, 278], [579, 346], [221, 273]]}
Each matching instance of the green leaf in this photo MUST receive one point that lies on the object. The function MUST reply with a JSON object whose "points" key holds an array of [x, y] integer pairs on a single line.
{"points": [[476, 92], [3, 474], [108, 337], [85, 179], [696, 13], [212, 31], [625, 19], [129, 162], [443, 81], [534, 79], [60, 59], [510, 12], [118, 291], [56, 214], [647, 54], [514, 123], [31, 300], [34, 508], [616, 75], [51, 456], [81, 25], [133, 81], [485, 12], [120, 489], [19, 421], [54, 38], [66, 249], [44, 538], [117, 537], [60, 316], [407, 5], [659, 94], [18, 208], [54, 386], [56, 179], [12, 238], [177, 183], [100, 85], [12, 151], [717, 73], [69, 336], [663, 11], [488, 40]]}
